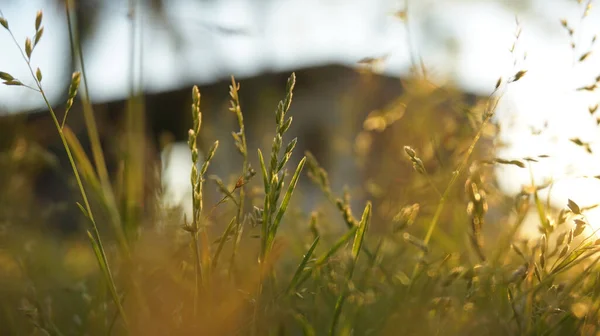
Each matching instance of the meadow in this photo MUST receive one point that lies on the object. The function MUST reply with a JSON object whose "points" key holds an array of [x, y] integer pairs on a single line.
{"points": [[433, 247]]}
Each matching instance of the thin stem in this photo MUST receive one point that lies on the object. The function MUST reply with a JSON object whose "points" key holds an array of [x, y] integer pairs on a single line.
{"points": [[197, 268], [96, 238], [411, 47], [245, 170], [91, 126], [455, 175], [453, 180], [29, 87], [430, 181]]}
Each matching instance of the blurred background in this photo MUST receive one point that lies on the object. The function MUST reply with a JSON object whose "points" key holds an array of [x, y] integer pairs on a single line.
{"points": [[463, 42]]}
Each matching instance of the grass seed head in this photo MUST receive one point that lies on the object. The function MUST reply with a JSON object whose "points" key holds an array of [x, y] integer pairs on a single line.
{"points": [[38, 20], [4, 23]]}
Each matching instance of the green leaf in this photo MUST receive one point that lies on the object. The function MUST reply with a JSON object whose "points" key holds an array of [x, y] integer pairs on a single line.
{"points": [[263, 168], [286, 199], [222, 241], [100, 257], [85, 213], [302, 265], [342, 241], [337, 312], [306, 327], [360, 233], [266, 209]]}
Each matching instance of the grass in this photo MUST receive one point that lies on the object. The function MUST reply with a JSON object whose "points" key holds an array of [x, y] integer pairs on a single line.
{"points": [[425, 257]]}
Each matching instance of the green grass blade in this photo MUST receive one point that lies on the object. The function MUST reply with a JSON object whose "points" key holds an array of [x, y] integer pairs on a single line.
{"points": [[356, 246], [82, 159], [286, 200], [107, 273], [307, 328], [263, 168], [337, 313], [266, 211], [341, 242], [360, 233], [222, 241], [302, 265], [89, 174]]}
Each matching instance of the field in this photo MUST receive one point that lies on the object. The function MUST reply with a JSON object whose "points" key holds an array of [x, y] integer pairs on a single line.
{"points": [[424, 243]]}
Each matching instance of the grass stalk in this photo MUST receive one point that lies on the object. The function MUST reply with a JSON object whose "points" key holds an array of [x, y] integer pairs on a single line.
{"points": [[92, 128], [95, 236]]}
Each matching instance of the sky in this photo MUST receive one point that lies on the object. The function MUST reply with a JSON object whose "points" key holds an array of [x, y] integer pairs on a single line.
{"points": [[470, 47]]}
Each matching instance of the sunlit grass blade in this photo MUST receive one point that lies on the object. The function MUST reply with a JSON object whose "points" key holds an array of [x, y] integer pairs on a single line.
{"points": [[356, 246], [337, 312], [88, 110], [286, 201], [360, 233], [336, 247], [100, 256], [307, 328], [326, 257], [89, 175], [75, 79], [222, 240], [266, 211], [302, 266], [82, 159]]}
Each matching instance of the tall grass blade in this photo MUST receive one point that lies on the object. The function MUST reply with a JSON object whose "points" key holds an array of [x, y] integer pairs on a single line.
{"points": [[222, 240], [307, 328], [266, 211], [107, 273], [286, 201], [302, 266], [336, 247], [356, 246]]}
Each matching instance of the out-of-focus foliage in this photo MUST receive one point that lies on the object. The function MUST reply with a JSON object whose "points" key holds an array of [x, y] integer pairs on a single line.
{"points": [[426, 244]]}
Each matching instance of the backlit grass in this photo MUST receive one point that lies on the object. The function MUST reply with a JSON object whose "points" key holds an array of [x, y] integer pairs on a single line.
{"points": [[433, 249]]}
